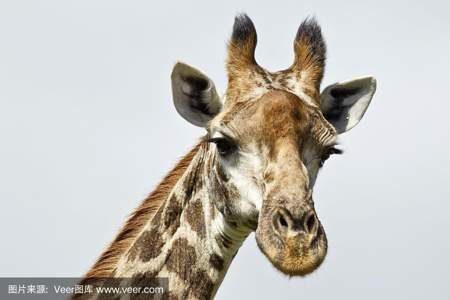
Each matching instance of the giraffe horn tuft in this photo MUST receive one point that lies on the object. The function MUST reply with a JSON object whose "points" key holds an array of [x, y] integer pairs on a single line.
{"points": [[242, 45], [310, 51]]}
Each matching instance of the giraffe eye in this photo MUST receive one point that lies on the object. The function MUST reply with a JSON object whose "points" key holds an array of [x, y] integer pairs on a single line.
{"points": [[326, 155], [224, 146]]}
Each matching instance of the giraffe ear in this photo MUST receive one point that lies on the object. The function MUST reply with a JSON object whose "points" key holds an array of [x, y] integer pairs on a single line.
{"points": [[343, 104], [194, 95]]}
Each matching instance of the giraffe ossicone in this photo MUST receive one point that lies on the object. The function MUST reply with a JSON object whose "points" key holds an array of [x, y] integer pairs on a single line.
{"points": [[254, 170]]}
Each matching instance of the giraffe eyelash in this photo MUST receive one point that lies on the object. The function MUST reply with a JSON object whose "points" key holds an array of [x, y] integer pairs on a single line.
{"points": [[334, 150], [330, 151], [224, 145]]}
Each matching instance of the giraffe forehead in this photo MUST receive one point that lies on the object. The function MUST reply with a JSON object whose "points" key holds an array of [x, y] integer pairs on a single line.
{"points": [[276, 112], [259, 81], [277, 115]]}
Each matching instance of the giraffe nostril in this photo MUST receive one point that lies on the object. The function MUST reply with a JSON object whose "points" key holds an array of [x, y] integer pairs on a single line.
{"points": [[282, 221], [285, 224], [311, 223]]}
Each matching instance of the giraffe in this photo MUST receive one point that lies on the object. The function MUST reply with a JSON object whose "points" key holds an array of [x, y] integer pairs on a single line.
{"points": [[253, 171]]}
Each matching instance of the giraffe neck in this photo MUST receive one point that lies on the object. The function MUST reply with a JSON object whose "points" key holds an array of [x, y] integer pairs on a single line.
{"points": [[188, 241]]}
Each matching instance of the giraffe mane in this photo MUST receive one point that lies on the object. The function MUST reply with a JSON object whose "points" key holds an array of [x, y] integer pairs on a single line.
{"points": [[106, 264]]}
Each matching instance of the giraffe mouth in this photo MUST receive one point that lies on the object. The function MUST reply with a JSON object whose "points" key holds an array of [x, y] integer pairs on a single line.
{"points": [[253, 224]]}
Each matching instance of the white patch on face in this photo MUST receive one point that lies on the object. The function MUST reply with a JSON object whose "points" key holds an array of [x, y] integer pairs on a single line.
{"points": [[244, 176], [245, 172]]}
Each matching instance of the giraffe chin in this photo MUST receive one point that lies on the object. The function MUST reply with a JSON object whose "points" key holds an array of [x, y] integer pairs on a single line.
{"points": [[294, 256]]}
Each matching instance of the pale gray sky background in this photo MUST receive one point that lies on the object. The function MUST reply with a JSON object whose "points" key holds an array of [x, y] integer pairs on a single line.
{"points": [[87, 129]]}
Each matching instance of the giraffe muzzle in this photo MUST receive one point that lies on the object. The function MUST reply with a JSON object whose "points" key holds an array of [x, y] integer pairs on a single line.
{"points": [[294, 241]]}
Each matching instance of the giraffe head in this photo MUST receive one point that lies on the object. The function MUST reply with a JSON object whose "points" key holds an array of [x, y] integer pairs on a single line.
{"points": [[271, 136]]}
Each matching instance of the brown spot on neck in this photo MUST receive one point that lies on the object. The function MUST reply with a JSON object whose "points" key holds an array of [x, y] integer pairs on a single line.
{"points": [[150, 244], [172, 214], [147, 279], [195, 218], [202, 286], [181, 258]]}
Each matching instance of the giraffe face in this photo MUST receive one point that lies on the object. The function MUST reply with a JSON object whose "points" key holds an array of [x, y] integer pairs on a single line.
{"points": [[270, 138], [269, 151]]}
